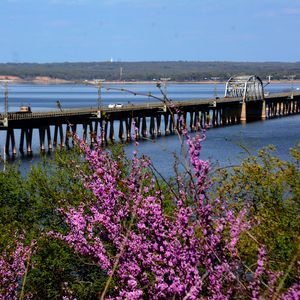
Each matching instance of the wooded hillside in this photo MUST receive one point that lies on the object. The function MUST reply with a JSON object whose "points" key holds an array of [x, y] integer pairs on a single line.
{"points": [[176, 70]]}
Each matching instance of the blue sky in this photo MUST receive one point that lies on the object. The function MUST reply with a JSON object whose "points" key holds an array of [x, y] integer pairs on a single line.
{"points": [[149, 30]]}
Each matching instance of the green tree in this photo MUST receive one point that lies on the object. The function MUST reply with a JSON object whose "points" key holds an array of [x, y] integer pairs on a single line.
{"points": [[270, 187]]}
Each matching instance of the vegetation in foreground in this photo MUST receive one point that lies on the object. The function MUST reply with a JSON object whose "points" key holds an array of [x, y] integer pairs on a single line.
{"points": [[94, 224]]}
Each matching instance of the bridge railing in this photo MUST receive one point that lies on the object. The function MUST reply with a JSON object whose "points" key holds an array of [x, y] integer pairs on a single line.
{"points": [[127, 107]]}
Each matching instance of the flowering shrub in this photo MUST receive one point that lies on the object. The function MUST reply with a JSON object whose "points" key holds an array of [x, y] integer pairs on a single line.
{"points": [[146, 253], [12, 268]]}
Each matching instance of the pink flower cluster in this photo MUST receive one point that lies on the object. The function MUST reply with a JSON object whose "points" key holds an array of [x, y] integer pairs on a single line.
{"points": [[12, 268], [191, 254]]}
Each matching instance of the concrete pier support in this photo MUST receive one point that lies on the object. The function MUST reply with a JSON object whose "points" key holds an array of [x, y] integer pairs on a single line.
{"points": [[84, 133], [55, 136], [167, 125], [29, 141], [207, 119], [92, 134], [42, 139], [104, 133], [152, 127], [61, 136], [111, 131], [192, 127], [144, 127], [10, 139], [158, 122], [214, 118], [49, 139], [263, 110], [128, 122], [171, 124], [196, 121], [22, 136], [137, 121], [68, 135], [121, 131], [243, 116]]}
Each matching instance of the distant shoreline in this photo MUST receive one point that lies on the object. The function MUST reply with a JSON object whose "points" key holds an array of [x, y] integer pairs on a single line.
{"points": [[52, 81]]}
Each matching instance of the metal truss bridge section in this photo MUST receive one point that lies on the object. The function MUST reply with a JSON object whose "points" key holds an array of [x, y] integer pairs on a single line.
{"points": [[248, 87]]}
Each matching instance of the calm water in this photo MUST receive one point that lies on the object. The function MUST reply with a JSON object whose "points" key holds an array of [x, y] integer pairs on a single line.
{"points": [[44, 97], [223, 145]]}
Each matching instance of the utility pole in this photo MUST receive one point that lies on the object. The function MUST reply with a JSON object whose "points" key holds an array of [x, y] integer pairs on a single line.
{"points": [[291, 78], [269, 80], [98, 83], [5, 85], [215, 86], [165, 80]]}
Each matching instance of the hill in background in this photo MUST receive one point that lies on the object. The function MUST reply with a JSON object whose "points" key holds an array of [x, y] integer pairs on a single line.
{"points": [[146, 71]]}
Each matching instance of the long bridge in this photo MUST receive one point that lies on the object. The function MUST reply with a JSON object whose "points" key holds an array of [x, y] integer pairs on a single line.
{"points": [[152, 120]]}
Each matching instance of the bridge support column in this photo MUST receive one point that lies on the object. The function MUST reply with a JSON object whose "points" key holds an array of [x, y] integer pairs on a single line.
{"points": [[121, 131], [61, 136], [10, 139], [128, 122], [55, 135], [207, 117], [42, 139], [104, 132], [171, 124], [236, 115], [214, 118], [182, 121], [112, 131], [49, 139], [68, 134], [73, 128], [158, 122], [197, 122], [243, 116], [93, 134], [21, 146], [144, 127], [263, 110], [84, 133], [177, 122], [96, 123], [29, 141], [137, 128], [166, 119], [152, 127], [192, 127], [270, 111], [221, 116]]}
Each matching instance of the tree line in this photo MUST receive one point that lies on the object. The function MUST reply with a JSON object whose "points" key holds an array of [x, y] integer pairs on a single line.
{"points": [[135, 71]]}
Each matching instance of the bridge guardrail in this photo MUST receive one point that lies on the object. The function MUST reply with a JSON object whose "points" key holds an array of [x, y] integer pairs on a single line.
{"points": [[127, 107]]}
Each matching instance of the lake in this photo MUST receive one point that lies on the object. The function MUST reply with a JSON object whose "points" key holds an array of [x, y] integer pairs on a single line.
{"points": [[224, 145]]}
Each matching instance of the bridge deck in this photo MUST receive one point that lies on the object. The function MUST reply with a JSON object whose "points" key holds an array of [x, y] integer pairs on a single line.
{"points": [[128, 108]]}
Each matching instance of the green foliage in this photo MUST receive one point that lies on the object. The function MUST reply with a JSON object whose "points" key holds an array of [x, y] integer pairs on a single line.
{"points": [[56, 264], [177, 70], [271, 189], [17, 208], [29, 203], [268, 185]]}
